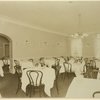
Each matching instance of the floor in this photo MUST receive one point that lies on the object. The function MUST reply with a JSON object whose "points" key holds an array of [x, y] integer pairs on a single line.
{"points": [[9, 83]]}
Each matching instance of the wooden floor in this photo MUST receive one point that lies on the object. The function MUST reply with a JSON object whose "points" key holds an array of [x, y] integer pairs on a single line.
{"points": [[8, 86]]}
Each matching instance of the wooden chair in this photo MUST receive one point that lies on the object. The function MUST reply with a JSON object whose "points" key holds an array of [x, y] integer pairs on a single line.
{"points": [[65, 69], [57, 67], [95, 73], [33, 88], [19, 83], [69, 67], [96, 92], [71, 73], [91, 71]]}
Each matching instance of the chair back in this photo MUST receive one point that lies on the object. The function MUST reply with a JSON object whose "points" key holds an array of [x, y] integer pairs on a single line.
{"points": [[40, 76], [69, 67], [31, 77], [33, 85], [96, 92]]}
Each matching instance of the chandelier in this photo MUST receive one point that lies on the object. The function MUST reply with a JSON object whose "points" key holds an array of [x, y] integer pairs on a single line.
{"points": [[98, 35], [79, 34]]}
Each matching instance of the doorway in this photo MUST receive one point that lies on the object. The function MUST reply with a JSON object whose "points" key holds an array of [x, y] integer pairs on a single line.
{"points": [[6, 49]]}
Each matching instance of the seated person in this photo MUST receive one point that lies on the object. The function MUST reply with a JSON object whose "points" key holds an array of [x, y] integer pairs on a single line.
{"points": [[5, 66], [31, 60], [56, 67], [17, 67], [41, 61], [86, 60]]}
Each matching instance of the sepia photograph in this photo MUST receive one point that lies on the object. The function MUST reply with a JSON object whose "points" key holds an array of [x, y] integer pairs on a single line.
{"points": [[50, 49]]}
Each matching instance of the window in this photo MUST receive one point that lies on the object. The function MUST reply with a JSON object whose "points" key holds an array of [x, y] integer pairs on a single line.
{"points": [[76, 47], [97, 47], [6, 49]]}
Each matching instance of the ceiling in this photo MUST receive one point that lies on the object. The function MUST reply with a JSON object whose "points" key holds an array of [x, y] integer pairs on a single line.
{"points": [[60, 17]]}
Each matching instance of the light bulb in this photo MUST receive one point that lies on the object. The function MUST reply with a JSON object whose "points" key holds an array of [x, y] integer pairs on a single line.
{"points": [[76, 35]]}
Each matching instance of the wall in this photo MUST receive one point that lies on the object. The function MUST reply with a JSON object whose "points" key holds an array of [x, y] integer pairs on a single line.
{"points": [[29, 42]]}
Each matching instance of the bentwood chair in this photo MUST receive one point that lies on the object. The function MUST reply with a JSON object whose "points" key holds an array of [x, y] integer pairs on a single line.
{"points": [[94, 94], [35, 85], [57, 68]]}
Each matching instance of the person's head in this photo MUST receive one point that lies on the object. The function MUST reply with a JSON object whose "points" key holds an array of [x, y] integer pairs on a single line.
{"points": [[85, 59], [68, 58], [16, 62], [41, 60], [31, 60], [88, 64], [57, 61], [94, 58], [91, 60], [75, 61], [5, 60], [80, 60]]}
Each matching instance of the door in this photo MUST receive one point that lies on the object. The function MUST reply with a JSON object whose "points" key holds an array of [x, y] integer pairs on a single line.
{"points": [[6, 49]]}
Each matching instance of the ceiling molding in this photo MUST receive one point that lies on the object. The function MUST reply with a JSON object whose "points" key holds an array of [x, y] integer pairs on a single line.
{"points": [[13, 21]]}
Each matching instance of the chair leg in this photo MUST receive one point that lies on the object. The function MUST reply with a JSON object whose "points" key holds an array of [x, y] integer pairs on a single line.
{"points": [[30, 92], [57, 86], [19, 85], [97, 92], [40, 93], [64, 77]]}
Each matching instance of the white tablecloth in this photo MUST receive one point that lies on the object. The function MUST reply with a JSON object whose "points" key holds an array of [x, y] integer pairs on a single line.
{"points": [[1, 70], [50, 62], [48, 78], [98, 64], [0, 96], [83, 88]]}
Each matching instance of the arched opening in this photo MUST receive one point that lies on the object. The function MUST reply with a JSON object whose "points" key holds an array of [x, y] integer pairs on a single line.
{"points": [[6, 48]]}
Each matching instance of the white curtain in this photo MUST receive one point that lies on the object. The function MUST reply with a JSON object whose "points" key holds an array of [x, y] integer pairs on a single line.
{"points": [[97, 47], [76, 47]]}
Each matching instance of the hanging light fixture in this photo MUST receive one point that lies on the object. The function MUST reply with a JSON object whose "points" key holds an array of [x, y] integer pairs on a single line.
{"points": [[79, 34], [98, 35]]}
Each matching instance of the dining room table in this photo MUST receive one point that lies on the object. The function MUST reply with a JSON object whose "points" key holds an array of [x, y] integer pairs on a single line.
{"points": [[1, 70], [48, 77], [83, 88]]}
